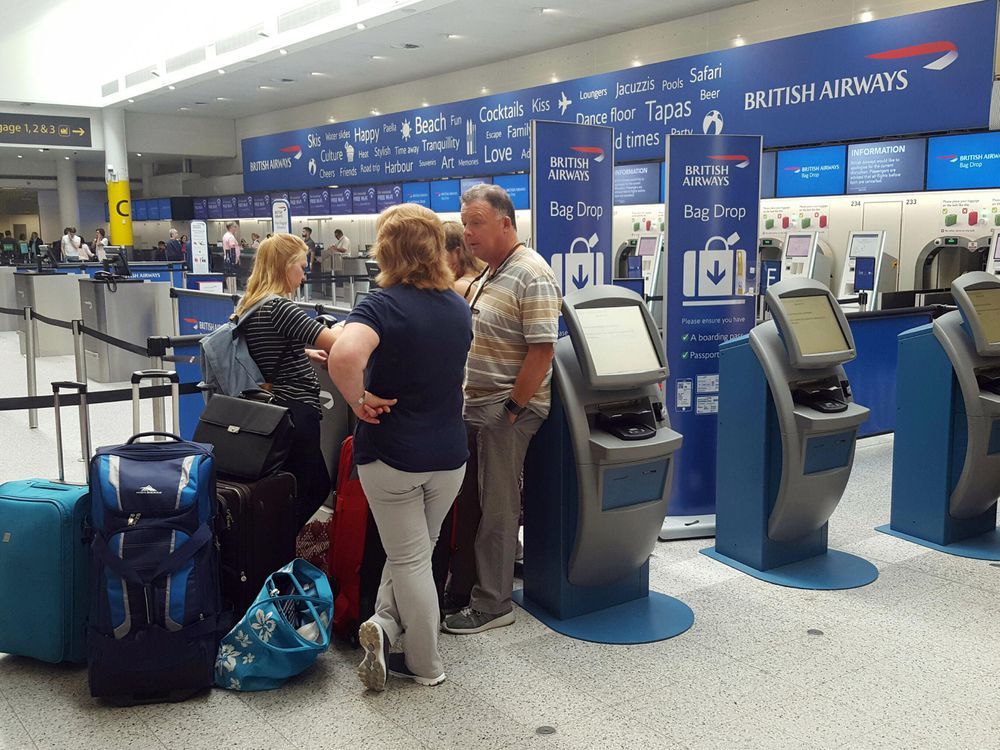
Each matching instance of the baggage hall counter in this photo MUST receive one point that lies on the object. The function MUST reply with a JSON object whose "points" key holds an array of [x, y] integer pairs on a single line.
{"points": [[946, 452], [788, 426], [597, 478]]}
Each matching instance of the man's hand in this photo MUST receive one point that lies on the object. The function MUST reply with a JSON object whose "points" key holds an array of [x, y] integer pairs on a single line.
{"points": [[317, 355]]}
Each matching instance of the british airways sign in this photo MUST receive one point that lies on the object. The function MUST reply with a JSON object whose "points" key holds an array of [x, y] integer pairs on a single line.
{"points": [[926, 72]]}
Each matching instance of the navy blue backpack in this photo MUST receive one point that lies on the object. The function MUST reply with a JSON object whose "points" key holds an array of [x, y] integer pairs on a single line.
{"points": [[156, 611]]}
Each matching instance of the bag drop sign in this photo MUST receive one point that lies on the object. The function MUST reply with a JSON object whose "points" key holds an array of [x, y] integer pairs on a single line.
{"points": [[572, 179]]}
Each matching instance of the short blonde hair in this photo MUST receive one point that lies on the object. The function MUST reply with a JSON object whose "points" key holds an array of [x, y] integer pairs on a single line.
{"points": [[274, 257], [409, 248]]}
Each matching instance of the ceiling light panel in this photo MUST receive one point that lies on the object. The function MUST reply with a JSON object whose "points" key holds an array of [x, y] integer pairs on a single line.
{"points": [[308, 14]]}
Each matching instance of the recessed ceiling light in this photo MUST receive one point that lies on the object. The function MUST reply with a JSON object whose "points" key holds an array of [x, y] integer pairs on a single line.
{"points": [[543, 11], [172, 88], [360, 26], [453, 36], [378, 57], [554, 78], [484, 90], [331, 119], [283, 51], [865, 16], [636, 63], [317, 74], [266, 88], [138, 154], [20, 156], [131, 101], [739, 41], [425, 104], [376, 112], [183, 109], [222, 99], [42, 150], [66, 158], [222, 71]]}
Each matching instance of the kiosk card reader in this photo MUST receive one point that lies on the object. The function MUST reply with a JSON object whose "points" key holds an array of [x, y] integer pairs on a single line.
{"points": [[597, 477], [787, 432], [946, 453], [808, 256], [870, 270]]}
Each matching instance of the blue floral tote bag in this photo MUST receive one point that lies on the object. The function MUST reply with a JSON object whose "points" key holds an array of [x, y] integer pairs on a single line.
{"points": [[282, 633]]}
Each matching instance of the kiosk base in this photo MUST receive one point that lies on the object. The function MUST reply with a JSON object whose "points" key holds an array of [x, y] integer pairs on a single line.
{"points": [[984, 547], [648, 619], [687, 527], [826, 572]]}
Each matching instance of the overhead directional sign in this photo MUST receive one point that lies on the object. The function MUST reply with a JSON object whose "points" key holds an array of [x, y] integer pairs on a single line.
{"points": [[866, 80], [43, 130]]}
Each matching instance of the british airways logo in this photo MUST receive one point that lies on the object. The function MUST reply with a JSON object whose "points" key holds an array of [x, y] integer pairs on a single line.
{"points": [[793, 169], [283, 162], [575, 168], [740, 161], [953, 158], [595, 152], [864, 85]]}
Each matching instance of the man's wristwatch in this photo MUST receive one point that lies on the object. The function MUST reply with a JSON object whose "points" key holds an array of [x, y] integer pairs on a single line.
{"points": [[513, 407]]}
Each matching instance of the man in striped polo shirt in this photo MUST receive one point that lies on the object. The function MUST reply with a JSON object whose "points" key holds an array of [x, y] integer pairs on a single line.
{"points": [[515, 323]]}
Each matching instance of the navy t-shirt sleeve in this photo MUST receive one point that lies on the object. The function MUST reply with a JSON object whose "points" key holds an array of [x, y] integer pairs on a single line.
{"points": [[370, 311], [294, 324]]}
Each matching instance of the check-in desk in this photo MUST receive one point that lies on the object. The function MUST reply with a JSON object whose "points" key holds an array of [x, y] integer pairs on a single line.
{"points": [[54, 295]]}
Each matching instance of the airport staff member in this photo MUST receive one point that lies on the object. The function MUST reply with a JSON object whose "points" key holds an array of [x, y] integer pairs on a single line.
{"points": [[174, 251], [515, 325], [343, 243]]}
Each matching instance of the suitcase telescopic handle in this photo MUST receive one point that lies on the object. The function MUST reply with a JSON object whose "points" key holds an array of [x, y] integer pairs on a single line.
{"points": [[138, 376], [81, 388]]}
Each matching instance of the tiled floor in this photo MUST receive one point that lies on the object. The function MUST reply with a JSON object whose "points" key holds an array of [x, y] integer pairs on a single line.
{"points": [[910, 661]]}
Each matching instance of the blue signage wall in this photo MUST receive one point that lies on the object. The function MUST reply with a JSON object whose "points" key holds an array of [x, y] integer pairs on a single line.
{"points": [[923, 72], [713, 183], [572, 180], [811, 171], [886, 166], [637, 183], [244, 206], [341, 201], [446, 195], [200, 208], [298, 202], [364, 200], [140, 212], [963, 161], [261, 207], [388, 195], [768, 170], [319, 202], [517, 187], [417, 192]]}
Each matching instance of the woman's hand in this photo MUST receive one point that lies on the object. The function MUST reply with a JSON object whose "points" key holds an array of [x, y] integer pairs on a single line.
{"points": [[373, 407], [317, 355]]}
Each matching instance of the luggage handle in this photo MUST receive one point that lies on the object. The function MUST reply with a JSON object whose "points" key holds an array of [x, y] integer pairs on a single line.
{"points": [[80, 388], [171, 435], [175, 395], [258, 394]]}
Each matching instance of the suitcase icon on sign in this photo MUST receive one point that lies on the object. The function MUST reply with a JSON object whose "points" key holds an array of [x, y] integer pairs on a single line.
{"points": [[715, 271], [578, 270]]}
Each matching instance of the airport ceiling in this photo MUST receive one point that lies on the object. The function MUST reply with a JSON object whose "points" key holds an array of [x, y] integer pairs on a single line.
{"points": [[341, 62]]}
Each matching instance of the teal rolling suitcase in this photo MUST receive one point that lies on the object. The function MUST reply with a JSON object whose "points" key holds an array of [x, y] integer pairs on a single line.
{"points": [[45, 560]]}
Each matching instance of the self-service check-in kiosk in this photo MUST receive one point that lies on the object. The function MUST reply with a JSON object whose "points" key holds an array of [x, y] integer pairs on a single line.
{"points": [[945, 258], [993, 257], [806, 255], [597, 478], [787, 432], [770, 253], [870, 270], [946, 452]]}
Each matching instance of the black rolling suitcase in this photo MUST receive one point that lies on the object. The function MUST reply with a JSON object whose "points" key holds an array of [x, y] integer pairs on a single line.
{"points": [[257, 529]]}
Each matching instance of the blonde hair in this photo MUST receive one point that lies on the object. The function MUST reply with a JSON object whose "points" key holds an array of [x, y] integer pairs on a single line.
{"points": [[274, 257], [409, 248], [454, 241]]}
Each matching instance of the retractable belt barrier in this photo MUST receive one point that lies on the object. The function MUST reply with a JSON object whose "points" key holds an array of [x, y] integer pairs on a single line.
{"points": [[18, 403]]}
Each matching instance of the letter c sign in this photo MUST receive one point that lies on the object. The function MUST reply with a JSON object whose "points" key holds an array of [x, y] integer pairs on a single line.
{"points": [[121, 208]]}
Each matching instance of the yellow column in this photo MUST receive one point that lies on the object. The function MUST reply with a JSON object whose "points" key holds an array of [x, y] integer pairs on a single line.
{"points": [[120, 212]]}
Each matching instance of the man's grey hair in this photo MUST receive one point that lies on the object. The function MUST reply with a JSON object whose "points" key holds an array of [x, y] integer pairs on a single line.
{"points": [[496, 196], [174, 234]]}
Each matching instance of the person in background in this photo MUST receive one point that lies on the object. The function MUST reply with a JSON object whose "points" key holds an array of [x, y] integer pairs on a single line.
{"points": [[161, 250], [231, 247], [507, 391], [174, 253], [282, 340], [100, 244], [410, 341], [7, 247], [254, 240], [35, 245], [343, 243], [83, 250], [307, 234], [463, 264], [67, 247]]}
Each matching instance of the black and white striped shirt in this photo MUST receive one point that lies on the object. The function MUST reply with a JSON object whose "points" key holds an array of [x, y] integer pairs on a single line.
{"points": [[277, 333]]}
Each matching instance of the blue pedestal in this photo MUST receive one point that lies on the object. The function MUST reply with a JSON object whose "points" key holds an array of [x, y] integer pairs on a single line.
{"points": [[984, 547], [651, 618], [928, 453], [824, 572]]}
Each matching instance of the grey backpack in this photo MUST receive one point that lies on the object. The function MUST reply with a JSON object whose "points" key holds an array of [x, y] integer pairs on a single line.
{"points": [[226, 365]]}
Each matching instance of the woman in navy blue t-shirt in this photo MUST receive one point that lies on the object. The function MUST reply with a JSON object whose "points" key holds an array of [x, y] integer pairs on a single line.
{"points": [[413, 335]]}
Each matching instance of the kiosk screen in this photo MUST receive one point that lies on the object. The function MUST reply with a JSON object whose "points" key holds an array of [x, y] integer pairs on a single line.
{"points": [[798, 246], [996, 247], [864, 245], [647, 245], [814, 324], [864, 274], [618, 340], [986, 303]]}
